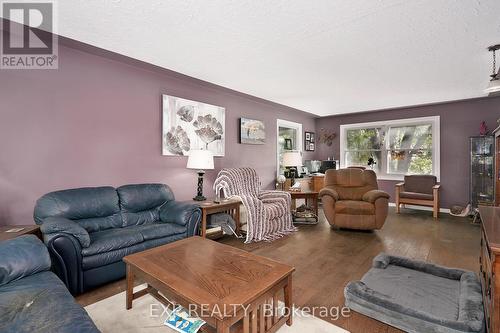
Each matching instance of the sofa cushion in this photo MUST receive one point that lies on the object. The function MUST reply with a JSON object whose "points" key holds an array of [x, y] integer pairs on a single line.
{"points": [[415, 195], [352, 207], [140, 203], [111, 257], [351, 184], [158, 230], [420, 183], [41, 303], [94, 208], [112, 239], [21, 257]]}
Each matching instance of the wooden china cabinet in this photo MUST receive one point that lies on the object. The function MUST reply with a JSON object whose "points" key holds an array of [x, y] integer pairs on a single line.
{"points": [[489, 261]]}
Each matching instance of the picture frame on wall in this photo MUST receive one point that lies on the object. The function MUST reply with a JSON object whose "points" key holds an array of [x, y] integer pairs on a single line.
{"points": [[189, 124], [309, 141], [252, 131]]}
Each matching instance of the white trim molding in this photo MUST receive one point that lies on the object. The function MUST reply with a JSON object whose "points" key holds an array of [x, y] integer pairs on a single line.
{"points": [[299, 143], [436, 142]]}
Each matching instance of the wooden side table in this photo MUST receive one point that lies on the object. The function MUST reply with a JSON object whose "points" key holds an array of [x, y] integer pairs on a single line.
{"points": [[27, 230], [230, 206], [311, 198]]}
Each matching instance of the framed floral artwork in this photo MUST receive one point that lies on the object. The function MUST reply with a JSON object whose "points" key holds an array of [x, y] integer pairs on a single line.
{"points": [[188, 124]]}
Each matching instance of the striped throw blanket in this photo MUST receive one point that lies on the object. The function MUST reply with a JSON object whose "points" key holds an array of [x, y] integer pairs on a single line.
{"points": [[269, 215]]}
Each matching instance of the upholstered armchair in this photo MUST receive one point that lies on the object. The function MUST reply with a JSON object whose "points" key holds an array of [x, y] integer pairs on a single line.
{"points": [[268, 212], [421, 190], [351, 199]]}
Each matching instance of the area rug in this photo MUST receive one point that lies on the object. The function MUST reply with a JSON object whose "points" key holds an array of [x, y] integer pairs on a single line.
{"points": [[147, 316]]}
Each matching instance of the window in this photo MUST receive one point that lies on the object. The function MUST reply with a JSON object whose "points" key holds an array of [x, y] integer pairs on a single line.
{"points": [[399, 147]]}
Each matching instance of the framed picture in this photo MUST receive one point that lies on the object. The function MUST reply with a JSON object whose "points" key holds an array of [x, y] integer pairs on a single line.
{"points": [[190, 125], [252, 132], [309, 141], [288, 144]]}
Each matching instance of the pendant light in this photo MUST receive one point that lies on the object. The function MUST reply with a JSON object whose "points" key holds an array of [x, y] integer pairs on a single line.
{"points": [[494, 85]]}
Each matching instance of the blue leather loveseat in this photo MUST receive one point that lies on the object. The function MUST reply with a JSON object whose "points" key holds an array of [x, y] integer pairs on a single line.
{"points": [[89, 230], [32, 298]]}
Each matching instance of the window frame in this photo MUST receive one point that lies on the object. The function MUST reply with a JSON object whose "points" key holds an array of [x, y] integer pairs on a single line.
{"points": [[434, 121]]}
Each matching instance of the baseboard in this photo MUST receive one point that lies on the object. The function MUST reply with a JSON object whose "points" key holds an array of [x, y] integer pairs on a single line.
{"points": [[441, 210]]}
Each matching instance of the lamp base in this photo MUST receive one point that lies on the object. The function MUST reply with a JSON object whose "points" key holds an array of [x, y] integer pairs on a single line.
{"points": [[199, 195]]}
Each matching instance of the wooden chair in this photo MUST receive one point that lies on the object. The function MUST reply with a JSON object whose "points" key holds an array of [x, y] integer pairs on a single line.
{"points": [[420, 190]]}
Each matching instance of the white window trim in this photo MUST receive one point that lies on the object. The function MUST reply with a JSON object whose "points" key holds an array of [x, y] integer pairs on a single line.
{"points": [[436, 140], [300, 143]]}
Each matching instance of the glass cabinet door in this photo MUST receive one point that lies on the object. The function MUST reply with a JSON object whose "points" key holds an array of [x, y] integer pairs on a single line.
{"points": [[482, 170]]}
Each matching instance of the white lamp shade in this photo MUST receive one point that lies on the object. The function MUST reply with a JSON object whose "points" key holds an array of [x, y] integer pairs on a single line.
{"points": [[200, 160], [292, 159], [493, 86]]}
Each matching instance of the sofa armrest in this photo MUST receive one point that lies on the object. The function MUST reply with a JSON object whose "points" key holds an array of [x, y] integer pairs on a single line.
{"points": [[66, 254], [53, 226], [400, 185], [436, 187], [373, 195], [182, 213], [330, 192], [270, 196], [21, 257]]}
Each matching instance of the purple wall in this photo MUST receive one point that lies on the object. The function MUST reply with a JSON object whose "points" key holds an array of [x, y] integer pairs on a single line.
{"points": [[459, 120], [97, 121]]}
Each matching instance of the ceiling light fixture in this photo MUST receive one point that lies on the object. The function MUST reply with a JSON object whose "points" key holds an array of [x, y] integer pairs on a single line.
{"points": [[494, 85]]}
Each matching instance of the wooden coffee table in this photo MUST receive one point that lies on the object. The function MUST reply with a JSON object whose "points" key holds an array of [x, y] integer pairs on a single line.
{"points": [[224, 286]]}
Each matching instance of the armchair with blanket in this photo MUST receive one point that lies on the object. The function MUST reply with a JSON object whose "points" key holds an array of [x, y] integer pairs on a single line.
{"points": [[268, 211]]}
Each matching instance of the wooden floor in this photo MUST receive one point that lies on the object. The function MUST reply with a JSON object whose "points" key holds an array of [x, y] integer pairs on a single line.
{"points": [[326, 259]]}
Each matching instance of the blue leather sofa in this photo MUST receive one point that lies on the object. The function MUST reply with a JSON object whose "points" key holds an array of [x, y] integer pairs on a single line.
{"points": [[89, 230], [32, 298]]}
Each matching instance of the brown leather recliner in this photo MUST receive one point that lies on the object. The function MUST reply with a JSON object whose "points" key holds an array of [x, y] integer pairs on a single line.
{"points": [[351, 199]]}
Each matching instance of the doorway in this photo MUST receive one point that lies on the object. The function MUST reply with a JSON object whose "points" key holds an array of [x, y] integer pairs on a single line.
{"points": [[288, 138]]}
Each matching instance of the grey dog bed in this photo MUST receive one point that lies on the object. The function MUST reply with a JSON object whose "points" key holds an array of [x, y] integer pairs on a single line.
{"points": [[416, 296]]}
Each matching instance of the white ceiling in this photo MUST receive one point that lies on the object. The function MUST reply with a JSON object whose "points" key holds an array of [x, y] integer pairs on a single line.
{"points": [[321, 56]]}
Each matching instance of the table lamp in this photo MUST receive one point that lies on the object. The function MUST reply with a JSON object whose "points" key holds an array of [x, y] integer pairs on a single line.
{"points": [[292, 160], [200, 160]]}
